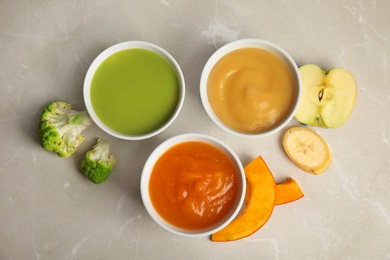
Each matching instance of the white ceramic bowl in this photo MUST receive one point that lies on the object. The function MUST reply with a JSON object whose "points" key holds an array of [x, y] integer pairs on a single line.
{"points": [[125, 46], [250, 43], [161, 149]]}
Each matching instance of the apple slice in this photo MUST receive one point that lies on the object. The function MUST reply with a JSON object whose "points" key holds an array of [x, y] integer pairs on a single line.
{"points": [[287, 191], [259, 207], [327, 98], [307, 149]]}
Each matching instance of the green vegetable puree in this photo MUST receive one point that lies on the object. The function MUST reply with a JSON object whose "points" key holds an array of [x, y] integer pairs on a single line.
{"points": [[134, 91]]}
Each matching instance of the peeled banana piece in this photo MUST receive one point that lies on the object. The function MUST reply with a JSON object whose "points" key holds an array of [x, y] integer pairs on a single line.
{"points": [[307, 149]]}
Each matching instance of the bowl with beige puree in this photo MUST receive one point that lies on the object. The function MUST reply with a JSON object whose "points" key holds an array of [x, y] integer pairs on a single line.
{"points": [[250, 88]]}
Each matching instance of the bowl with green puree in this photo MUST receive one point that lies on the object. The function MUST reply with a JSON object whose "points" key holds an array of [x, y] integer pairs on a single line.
{"points": [[134, 90]]}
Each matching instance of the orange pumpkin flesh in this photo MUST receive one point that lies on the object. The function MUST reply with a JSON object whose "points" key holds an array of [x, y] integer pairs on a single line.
{"points": [[287, 191], [259, 206]]}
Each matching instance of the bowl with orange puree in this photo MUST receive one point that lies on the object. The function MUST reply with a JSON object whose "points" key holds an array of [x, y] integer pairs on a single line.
{"points": [[250, 87], [193, 185]]}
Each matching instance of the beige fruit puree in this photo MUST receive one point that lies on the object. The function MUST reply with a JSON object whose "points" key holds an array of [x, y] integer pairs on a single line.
{"points": [[250, 90]]}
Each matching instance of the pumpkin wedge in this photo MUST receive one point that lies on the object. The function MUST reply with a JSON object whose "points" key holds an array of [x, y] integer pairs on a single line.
{"points": [[259, 207], [287, 191]]}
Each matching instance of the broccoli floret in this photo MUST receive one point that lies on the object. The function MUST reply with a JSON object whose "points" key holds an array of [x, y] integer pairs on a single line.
{"points": [[60, 128], [98, 162]]}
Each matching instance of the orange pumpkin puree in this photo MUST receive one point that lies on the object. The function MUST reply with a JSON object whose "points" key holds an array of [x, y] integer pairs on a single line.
{"points": [[250, 90], [193, 185]]}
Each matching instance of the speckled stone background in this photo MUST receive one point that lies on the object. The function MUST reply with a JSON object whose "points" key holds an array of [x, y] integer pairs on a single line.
{"points": [[48, 210]]}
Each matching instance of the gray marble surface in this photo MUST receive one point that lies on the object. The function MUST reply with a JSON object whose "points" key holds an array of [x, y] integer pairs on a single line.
{"points": [[48, 210]]}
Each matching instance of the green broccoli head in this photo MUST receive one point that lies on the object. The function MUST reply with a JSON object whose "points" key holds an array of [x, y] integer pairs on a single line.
{"points": [[98, 162], [60, 128]]}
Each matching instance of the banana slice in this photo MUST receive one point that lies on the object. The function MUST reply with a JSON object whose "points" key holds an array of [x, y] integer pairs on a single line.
{"points": [[307, 149]]}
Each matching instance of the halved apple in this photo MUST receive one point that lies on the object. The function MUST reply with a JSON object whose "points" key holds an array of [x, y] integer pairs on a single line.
{"points": [[328, 98], [259, 206]]}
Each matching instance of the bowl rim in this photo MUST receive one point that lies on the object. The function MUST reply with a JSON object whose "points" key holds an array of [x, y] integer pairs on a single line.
{"points": [[126, 46], [161, 149], [250, 43]]}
